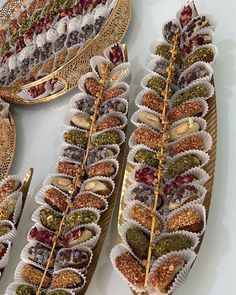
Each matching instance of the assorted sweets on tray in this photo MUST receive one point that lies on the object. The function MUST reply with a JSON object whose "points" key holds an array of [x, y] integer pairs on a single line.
{"points": [[72, 200], [164, 215], [11, 204], [42, 36]]}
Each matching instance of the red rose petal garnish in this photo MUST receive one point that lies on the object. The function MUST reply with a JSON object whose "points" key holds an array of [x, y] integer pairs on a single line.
{"points": [[186, 15]]}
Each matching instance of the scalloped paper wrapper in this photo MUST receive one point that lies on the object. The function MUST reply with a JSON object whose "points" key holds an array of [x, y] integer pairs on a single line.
{"points": [[35, 215], [191, 4], [193, 68], [11, 289], [99, 178], [120, 73], [191, 206], [102, 10], [132, 141], [120, 132], [91, 243], [12, 177], [133, 151], [48, 179], [112, 161], [74, 24], [200, 200], [131, 175], [40, 196], [199, 173], [135, 118], [204, 106], [17, 275], [122, 232], [203, 31], [105, 202], [4, 259], [93, 210], [38, 226], [76, 290], [57, 87], [18, 206], [202, 122], [78, 97], [194, 239], [118, 250], [211, 46], [24, 256], [205, 136], [82, 248], [202, 156], [208, 85], [114, 147], [127, 217], [123, 119], [188, 255], [61, 149], [107, 50], [173, 20], [83, 78], [61, 289], [123, 85], [96, 61], [120, 99], [62, 25], [11, 235], [154, 45]]}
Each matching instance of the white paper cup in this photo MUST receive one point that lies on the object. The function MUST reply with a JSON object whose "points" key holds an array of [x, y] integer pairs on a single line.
{"points": [[17, 196], [11, 235], [5, 257]]}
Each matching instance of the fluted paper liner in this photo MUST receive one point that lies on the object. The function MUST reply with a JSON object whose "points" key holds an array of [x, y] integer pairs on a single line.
{"points": [[188, 256], [132, 141], [203, 31], [76, 290], [112, 161], [145, 80], [193, 68], [124, 74], [12, 177], [78, 97], [4, 259], [176, 22], [18, 206], [117, 130], [69, 161], [127, 216], [81, 248], [105, 202], [123, 85], [210, 88], [120, 116], [121, 100], [91, 243], [154, 45], [133, 151], [4, 112], [83, 78], [135, 119], [205, 136], [107, 50], [17, 275], [11, 289], [68, 129], [99, 178], [117, 251], [97, 60], [12, 233], [190, 206]]}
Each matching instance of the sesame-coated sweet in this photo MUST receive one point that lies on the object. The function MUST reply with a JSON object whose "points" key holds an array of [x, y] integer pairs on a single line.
{"points": [[102, 169], [107, 123], [153, 102], [112, 93], [189, 143], [144, 217], [186, 109], [188, 219], [76, 137], [66, 279], [131, 269], [56, 199], [88, 200], [148, 137], [8, 187], [70, 169], [166, 272], [193, 92], [33, 275], [92, 86], [183, 164]]}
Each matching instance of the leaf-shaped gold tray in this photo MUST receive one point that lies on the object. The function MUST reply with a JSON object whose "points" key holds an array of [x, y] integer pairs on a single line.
{"points": [[112, 31], [7, 145]]}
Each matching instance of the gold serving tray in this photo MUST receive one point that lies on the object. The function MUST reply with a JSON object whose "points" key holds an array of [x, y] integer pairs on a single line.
{"points": [[7, 145], [112, 31]]}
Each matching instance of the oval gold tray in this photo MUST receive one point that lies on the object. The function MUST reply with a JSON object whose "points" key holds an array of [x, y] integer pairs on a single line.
{"points": [[7, 145], [112, 31]]}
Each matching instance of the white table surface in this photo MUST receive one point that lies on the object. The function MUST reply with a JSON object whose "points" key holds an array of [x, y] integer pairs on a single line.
{"points": [[39, 129]]}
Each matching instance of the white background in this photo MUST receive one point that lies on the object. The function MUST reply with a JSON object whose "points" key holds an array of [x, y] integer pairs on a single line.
{"points": [[39, 129]]}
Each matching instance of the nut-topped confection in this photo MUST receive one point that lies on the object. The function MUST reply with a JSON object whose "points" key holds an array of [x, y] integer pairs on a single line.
{"points": [[148, 137], [192, 142], [153, 101], [186, 109], [183, 129], [8, 188], [88, 200], [56, 199], [107, 169], [67, 279], [33, 275]]}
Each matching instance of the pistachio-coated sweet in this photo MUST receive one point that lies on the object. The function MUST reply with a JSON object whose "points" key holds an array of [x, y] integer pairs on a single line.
{"points": [[27, 290], [195, 92], [109, 137], [146, 157], [138, 242], [202, 54], [50, 219], [81, 217], [76, 137], [183, 164]]}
